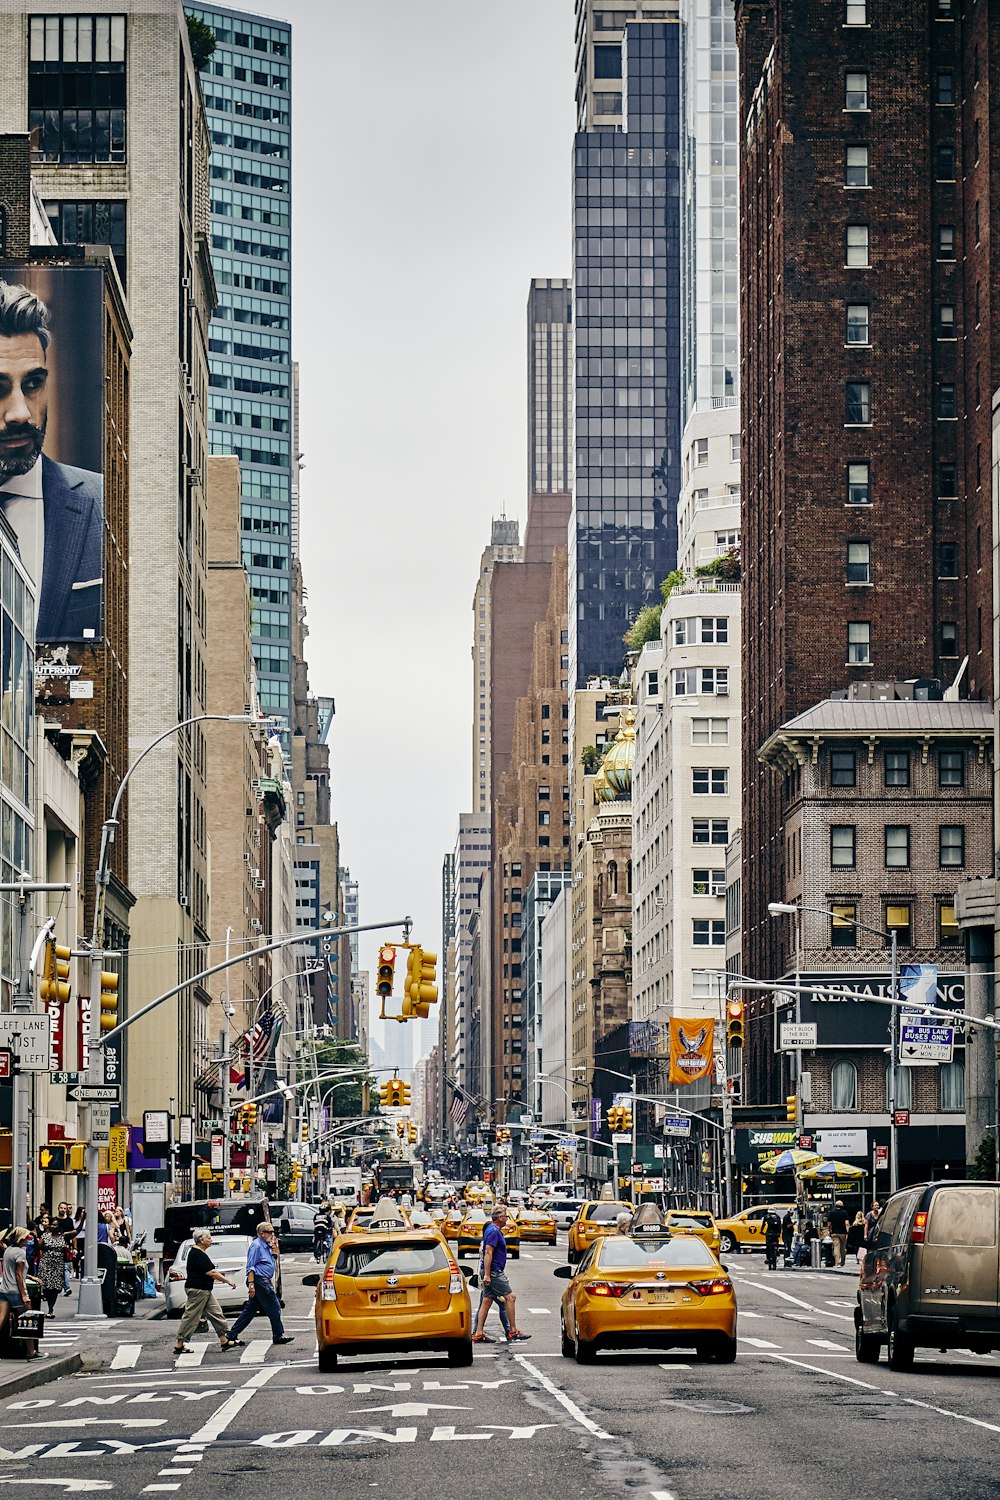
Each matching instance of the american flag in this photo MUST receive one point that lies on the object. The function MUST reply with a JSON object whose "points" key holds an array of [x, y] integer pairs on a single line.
{"points": [[460, 1106]]}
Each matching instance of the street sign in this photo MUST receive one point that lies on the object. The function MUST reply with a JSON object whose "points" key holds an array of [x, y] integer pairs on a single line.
{"points": [[794, 1035], [95, 1093], [5, 1065], [100, 1124], [676, 1125], [621, 1139], [27, 1037], [925, 1043], [901, 1117], [881, 1158], [653, 1184], [67, 1078], [504, 1149]]}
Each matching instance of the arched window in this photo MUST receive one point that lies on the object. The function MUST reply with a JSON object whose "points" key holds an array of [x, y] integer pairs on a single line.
{"points": [[844, 1086], [952, 1084], [612, 878], [904, 1088], [600, 892], [628, 876]]}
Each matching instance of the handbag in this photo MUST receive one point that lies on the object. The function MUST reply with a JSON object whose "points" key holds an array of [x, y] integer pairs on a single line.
{"points": [[27, 1324]]}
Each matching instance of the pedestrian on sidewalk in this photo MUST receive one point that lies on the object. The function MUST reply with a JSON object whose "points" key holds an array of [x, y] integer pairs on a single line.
{"points": [[51, 1262], [66, 1225], [262, 1298], [840, 1223], [856, 1237], [787, 1233], [13, 1289], [496, 1287], [199, 1284]]}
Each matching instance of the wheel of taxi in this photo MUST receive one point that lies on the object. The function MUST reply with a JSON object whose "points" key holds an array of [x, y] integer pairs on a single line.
{"points": [[565, 1342], [327, 1361], [900, 1349], [724, 1350], [584, 1350], [460, 1354], [728, 1244], [867, 1347]]}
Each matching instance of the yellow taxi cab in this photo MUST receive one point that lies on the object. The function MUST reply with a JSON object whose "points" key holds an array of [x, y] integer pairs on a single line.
{"points": [[395, 1289], [745, 1230], [648, 1289], [538, 1225], [696, 1221], [361, 1219], [476, 1191], [470, 1234], [595, 1218], [437, 1215], [452, 1222]]}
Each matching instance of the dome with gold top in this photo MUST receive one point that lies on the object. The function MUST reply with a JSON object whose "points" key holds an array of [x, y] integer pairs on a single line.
{"points": [[616, 768]]}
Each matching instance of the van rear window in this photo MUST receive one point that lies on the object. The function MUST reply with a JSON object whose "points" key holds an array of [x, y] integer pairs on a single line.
{"points": [[391, 1260], [963, 1216]]}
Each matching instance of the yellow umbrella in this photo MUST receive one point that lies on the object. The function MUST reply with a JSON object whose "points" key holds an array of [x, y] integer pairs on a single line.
{"points": [[790, 1161], [831, 1171]]}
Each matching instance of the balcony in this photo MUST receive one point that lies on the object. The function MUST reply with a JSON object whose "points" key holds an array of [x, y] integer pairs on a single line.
{"points": [[705, 586]]}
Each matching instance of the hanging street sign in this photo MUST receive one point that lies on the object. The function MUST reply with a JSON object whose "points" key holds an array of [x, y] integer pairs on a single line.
{"points": [[94, 1093], [920, 1045], [794, 1035], [676, 1125]]}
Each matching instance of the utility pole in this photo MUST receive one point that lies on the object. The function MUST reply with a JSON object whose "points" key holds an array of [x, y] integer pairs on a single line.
{"points": [[227, 1123], [893, 1066]]}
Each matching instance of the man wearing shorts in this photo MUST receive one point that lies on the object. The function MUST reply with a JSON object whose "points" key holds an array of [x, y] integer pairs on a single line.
{"points": [[496, 1287]]}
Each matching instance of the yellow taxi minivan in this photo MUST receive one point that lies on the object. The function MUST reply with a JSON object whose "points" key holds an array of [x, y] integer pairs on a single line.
{"points": [[596, 1217], [696, 1221]]}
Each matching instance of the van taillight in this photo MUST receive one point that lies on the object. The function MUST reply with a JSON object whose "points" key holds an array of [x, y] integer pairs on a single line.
{"points": [[919, 1228]]}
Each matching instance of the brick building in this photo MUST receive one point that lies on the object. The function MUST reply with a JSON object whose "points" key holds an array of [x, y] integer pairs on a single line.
{"points": [[868, 359]]}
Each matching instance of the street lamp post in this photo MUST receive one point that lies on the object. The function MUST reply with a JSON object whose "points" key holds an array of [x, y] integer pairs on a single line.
{"points": [[632, 1079]]}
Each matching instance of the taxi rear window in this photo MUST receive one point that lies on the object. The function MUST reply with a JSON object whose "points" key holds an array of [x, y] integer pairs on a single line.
{"points": [[606, 1213], [391, 1260], [646, 1255], [691, 1221]]}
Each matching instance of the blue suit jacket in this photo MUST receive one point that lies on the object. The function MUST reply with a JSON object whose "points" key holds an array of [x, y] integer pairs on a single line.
{"points": [[72, 565]]}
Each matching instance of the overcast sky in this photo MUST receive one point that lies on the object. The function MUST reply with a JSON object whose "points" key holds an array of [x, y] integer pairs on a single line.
{"points": [[431, 182]]}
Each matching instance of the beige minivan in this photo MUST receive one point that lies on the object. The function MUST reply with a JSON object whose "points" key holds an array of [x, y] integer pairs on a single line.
{"points": [[932, 1277]]}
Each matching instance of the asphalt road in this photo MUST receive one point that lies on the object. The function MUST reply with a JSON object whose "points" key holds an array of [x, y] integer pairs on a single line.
{"points": [[796, 1416]]}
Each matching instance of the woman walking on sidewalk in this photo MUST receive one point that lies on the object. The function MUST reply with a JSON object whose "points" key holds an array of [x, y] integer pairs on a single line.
{"points": [[51, 1262], [201, 1300]]}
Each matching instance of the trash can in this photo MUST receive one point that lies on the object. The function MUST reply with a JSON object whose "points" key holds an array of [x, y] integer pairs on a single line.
{"points": [[814, 1254]]}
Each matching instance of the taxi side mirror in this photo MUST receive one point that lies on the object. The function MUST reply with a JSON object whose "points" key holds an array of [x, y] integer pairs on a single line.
{"points": [[312, 1280], [724, 1267], [565, 1273]]}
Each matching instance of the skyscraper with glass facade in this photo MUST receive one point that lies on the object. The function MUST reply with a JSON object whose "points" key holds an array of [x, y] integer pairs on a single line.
{"points": [[247, 91], [626, 204]]}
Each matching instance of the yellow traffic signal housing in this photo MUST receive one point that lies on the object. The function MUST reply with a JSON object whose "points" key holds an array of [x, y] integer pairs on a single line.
{"points": [[78, 1157], [404, 1094], [735, 1023], [386, 970], [421, 982], [625, 1117], [55, 974], [791, 1108], [385, 1094], [412, 1135], [305, 1131], [400, 1127], [251, 1114], [614, 1117], [109, 1001]]}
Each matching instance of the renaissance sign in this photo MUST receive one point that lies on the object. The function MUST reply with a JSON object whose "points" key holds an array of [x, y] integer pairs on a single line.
{"points": [[842, 1020]]}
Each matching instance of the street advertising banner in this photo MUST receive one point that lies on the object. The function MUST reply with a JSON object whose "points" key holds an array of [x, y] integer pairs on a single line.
{"points": [[51, 446], [691, 1048]]}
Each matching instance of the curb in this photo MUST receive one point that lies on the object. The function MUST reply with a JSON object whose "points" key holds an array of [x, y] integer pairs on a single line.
{"points": [[41, 1373]]}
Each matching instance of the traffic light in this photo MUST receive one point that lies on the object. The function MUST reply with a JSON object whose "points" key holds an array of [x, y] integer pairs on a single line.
{"points": [[109, 1001], [736, 1029], [400, 1128], [614, 1115], [52, 1158], [421, 990], [305, 1130], [78, 1157], [625, 1117], [403, 1093], [791, 1108], [385, 1092], [250, 1111], [412, 1134], [55, 973], [386, 970]]}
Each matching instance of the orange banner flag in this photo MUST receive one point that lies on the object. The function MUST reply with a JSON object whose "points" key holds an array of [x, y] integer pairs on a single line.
{"points": [[691, 1044]]}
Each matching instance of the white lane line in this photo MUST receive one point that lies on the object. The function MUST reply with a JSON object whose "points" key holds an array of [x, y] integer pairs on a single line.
{"points": [[775, 1292], [564, 1400], [825, 1344], [149, 1488], [254, 1353], [745, 1314], [232, 1406], [759, 1343], [539, 1312], [675, 1367], [188, 1361], [661, 1495], [941, 1411]]}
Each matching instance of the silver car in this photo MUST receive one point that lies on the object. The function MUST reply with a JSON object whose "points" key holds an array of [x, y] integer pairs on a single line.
{"points": [[229, 1255]]}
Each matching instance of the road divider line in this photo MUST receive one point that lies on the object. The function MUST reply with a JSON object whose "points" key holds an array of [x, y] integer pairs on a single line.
{"points": [[826, 1344], [232, 1406], [759, 1343], [940, 1411], [564, 1400]]}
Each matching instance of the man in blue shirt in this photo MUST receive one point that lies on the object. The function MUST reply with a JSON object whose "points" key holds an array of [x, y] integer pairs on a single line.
{"points": [[496, 1287], [262, 1299]]}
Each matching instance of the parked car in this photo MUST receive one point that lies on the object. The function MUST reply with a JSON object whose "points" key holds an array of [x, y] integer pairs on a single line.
{"points": [[229, 1255], [931, 1279], [294, 1223]]}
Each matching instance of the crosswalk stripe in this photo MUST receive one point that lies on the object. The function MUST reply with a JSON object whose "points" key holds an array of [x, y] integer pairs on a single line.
{"points": [[126, 1357], [540, 1312], [254, 1353], [187, 1361], [760, 1343], [826, 1344]]}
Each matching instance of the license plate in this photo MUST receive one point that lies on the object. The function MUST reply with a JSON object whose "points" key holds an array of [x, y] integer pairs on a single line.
{"points": [[391, 1299], [660, 1296]]}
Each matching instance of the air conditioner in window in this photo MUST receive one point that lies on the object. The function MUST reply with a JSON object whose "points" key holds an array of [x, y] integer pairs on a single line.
{"points": [[258, 884], [254, 924], [722, 692], [184, 901]]}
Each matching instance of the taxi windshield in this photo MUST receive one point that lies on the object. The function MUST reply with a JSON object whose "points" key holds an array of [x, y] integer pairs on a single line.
{"points": [[390, 1260], [647, 1255], [605, 1213]]}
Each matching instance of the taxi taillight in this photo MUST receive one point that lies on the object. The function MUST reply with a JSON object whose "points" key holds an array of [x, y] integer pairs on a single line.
{"points": [[329, 1293], [457, 1281], [717, 1287], [605, 1288], [919, 1229]]}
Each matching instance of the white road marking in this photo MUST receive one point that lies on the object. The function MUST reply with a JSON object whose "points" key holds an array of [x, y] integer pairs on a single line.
{"points": [[564, 1400], [776, 1292], [232, 1406], [189, 1361], [254, 1353], [149, 1488], [539, 1312], [940, 1411], [675, 1367], [825, 1344], [744, 1313], [759, 1343], [661, 1495], [126, 1357]]}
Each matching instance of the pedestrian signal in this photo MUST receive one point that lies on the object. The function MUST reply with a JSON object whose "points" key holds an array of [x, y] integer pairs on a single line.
{"points": [[52, 1158]]}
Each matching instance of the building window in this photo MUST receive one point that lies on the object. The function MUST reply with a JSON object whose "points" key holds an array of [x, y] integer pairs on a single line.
{"points": [[856, 13], [856, 91], [710, 831], [544, 819], [951, 1081], [946, 87], [949, 932], [857, 330], [843, 837], [898, 919], [859, 488], [951, 846], [951, 768], [607, 61], [897, 846], [858, 562], [857, 245], [948, 560], [859, 649], [843, 1085], [734, 447], [714, 630], [947, 402], [708, 882], [843, 932], [946, 320], [701, 450], [904, 1089], [857, 403], [843, 768], [708, 933], [689, 681], [91, 221], [945, 10], [856, 166], [710, 731], [944, 164], [76, 88], [946, 242], [948, 481], [949, 638], [897, 768], [709, 782]]}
